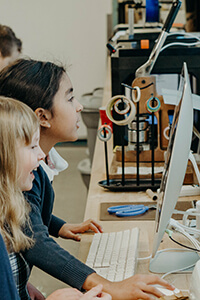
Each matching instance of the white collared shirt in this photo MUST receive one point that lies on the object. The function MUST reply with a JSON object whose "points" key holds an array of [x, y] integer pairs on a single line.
{"points": [[56, 164]]}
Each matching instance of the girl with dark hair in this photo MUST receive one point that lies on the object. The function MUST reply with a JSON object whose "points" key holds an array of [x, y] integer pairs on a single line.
{"points": [[47, 89]]}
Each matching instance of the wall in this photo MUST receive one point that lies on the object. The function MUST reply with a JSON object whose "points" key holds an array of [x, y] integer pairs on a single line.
{"points": [[71, 31]]}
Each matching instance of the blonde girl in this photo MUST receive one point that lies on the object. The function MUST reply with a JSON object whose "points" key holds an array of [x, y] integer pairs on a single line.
{"points": [[19, 140], [17, 126], [20, 154]]}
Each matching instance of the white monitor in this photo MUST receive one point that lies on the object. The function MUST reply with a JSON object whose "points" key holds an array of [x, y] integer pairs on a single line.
{"points": [[175, 167]]}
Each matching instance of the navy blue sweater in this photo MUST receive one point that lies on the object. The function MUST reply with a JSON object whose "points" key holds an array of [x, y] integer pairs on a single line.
{"points": [[46, 254], [8, 290]]}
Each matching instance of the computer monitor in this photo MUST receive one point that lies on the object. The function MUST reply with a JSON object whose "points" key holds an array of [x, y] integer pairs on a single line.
{"points": [[174, 172]]}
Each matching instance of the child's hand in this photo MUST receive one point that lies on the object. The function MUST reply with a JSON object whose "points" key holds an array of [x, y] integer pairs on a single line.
{"points": [[74, 294], [69, 231], [139, 287], [96, 293], [65, 294], [34, 293]]}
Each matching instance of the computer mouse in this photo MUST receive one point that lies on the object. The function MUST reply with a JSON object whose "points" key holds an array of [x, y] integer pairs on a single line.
{"points": [[167, 292]]}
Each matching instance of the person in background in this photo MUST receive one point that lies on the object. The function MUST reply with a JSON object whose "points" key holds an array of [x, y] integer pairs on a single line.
{"points": [[47, 89], [20, 153], [10, 46]]}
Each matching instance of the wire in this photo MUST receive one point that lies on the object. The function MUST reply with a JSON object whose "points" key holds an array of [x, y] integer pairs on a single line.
{"points": [[133, 88], [188, 236], [176, 226], [180, 244], [183, 228], [177, 270], [145, 258], [184, 33], [181, 269], [189, 230], [179, 44]]}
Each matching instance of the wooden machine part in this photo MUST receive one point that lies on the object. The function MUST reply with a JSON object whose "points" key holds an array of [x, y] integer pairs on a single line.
{"points": [[147, 87]]}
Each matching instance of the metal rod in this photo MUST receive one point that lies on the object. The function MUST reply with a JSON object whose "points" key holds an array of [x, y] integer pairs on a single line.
{"points": [[131, 21], [123, 176], [152, 150], [106, 159], [138, 146], [123, 143]]}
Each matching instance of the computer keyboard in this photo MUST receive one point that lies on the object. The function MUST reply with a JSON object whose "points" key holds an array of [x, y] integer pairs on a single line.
{"points": [[114, 255]]}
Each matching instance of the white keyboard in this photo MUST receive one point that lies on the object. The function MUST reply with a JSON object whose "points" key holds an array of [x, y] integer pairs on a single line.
{"points": [[114, 255]]}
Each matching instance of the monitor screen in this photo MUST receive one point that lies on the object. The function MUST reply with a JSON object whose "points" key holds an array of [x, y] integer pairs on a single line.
{"points": [[176, 159]]}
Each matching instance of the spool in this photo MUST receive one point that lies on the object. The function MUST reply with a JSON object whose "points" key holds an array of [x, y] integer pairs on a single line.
{"points": [[128, 117], [151, 108], [167, 129], [101, 132], [132, 132], [125, 110], [151, 194], [137, 89]]}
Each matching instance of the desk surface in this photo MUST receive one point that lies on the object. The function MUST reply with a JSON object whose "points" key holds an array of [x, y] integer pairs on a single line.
{"points": [[98, 195]]}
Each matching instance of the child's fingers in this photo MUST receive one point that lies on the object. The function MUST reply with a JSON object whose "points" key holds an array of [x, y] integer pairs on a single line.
{"points": [[94, 226], [105, 296], [97, 225], [94, 292]]}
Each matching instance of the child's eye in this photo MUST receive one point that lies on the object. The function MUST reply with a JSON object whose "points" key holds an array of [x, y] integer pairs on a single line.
{"points": [[71, 99], [33, 147]]}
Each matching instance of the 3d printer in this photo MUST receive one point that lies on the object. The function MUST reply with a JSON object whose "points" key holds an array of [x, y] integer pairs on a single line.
{"points": [[144, 140]]}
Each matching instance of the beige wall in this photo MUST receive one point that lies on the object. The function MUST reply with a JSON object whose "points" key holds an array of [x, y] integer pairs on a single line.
{"points": [[71, 31]]}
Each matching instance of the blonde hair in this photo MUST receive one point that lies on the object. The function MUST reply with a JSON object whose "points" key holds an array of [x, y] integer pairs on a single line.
{"points": [[17, 123]]}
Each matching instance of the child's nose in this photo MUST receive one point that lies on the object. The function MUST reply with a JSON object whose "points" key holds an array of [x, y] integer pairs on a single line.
{"points": [[79, 106]]}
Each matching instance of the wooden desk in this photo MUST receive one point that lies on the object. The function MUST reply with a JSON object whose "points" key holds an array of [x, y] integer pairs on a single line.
{"points": [[97, 195]]}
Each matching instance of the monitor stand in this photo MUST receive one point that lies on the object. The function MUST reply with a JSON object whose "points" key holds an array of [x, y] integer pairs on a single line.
{"points": [[168, 261]]}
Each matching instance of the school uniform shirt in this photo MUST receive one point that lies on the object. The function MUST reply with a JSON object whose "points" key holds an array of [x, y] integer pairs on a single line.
{"points": [[46, 254], [55, 164], [8, 290], [21, 273]]}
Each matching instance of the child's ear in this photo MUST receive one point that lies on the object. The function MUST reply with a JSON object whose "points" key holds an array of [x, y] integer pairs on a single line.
{"points": [[44, 116]]}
